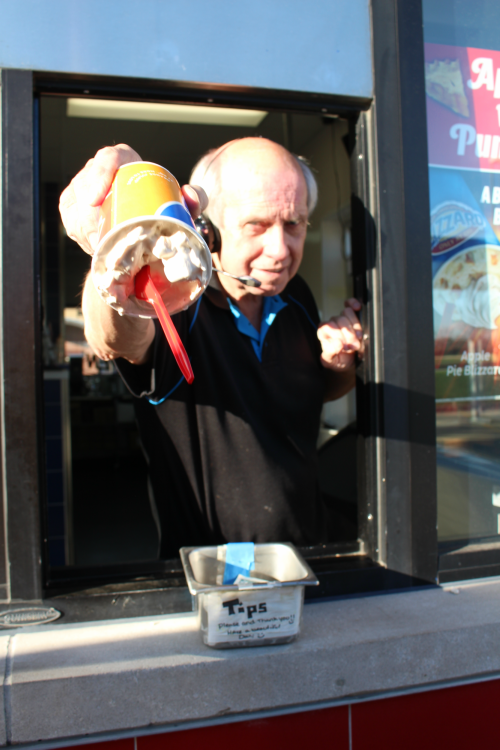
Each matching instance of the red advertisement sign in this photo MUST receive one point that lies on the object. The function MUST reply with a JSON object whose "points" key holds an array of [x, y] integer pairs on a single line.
{"points": [[463, 107]]}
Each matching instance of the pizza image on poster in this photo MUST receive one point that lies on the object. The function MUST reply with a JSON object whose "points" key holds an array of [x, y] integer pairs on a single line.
{"points": [[444, 83], [463, 107]]}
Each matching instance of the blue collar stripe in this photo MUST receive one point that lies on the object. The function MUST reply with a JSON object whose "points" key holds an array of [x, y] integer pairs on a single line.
{"points": [[272, 306]]}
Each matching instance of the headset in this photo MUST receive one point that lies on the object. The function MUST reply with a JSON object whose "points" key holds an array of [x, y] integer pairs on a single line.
{"points": [[211, 235], [209, 232]]}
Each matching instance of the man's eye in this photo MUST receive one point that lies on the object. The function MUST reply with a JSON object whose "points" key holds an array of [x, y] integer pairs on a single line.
{"points": [[258, 226]]}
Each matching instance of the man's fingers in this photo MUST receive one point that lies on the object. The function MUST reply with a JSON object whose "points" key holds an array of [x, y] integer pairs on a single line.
{"points": [[67, 199], [353, 303], [331, 345], [80, 220], [97, 178], [335, 352], [349, 325], [354, 321], [196, 199], [76, 220], [338, 335], [79, 203], [342, 337], [82, 226], [337, 339]]}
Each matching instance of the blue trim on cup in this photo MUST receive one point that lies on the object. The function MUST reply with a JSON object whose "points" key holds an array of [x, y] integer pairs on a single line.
{"points": [[175, 210]]}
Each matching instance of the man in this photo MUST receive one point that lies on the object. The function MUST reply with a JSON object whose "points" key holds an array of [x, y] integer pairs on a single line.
{"points": [[231, 457]]}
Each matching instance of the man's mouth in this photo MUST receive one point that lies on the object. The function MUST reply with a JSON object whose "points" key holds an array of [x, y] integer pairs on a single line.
{"points": [[271, 271]]}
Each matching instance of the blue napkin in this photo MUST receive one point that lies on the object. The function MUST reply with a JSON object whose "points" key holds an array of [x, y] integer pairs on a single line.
{"points": [[240, 559]]}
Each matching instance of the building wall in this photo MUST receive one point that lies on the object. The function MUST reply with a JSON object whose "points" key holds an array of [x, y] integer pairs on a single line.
{"points": [[324, 47], [458, 717]]}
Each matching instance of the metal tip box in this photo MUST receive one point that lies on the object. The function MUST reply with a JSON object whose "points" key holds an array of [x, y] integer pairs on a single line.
{"points": [[264, 609]]}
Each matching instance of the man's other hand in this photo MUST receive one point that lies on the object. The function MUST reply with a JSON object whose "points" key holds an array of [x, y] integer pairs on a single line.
{"points": [[341, 338], [80, 202]]}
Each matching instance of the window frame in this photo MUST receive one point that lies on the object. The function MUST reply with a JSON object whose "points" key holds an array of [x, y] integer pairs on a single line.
{"points": [[406, 407], [390, 219], [19, 384]]}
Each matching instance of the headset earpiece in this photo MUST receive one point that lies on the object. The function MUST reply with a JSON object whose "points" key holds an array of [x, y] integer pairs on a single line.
{"points": [[209, 232]]}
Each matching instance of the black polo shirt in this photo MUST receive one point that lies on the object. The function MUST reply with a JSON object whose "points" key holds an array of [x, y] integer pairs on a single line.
{"points": [[232, 457]]}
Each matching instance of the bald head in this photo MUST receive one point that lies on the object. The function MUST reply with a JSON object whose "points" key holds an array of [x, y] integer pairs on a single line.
{"points": [[259, 200], [254, 151], [226, 170], [248, 164]]}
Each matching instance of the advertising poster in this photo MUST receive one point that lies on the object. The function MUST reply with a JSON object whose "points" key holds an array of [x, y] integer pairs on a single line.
{"points": [[463, 111]]}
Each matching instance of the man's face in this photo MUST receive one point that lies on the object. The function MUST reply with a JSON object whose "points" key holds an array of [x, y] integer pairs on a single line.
{"points": [[263, 218]]}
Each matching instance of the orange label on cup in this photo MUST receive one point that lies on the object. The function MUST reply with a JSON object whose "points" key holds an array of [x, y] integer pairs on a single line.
{"points": [[141, 189], [145, 199]]}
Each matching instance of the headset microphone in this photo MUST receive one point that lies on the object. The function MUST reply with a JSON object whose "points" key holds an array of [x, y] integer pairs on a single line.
{"points": [[247, 280], [211, 235]]}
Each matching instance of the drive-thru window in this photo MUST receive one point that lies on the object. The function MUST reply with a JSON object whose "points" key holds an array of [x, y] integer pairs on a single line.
{"points": [[91, 479], [94, 421]]}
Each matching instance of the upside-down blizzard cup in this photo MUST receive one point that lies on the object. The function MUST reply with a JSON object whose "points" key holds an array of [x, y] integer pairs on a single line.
{"points": [[144, 221]]}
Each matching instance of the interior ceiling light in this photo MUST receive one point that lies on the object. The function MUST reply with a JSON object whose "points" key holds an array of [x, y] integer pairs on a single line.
{"points": [[111, 109]]}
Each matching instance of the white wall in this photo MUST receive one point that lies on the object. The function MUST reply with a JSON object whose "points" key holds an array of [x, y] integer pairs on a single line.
{"points": [[321, 46]]}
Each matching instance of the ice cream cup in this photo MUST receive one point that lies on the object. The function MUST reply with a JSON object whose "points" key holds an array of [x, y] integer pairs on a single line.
{"points": [[144, 204]]}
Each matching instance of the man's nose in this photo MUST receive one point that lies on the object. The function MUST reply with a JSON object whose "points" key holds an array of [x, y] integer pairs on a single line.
{"points": [[276, 244]]}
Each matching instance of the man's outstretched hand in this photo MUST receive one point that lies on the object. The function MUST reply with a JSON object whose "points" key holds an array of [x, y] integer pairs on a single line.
{"points": [[80, 202], [342, 338]]}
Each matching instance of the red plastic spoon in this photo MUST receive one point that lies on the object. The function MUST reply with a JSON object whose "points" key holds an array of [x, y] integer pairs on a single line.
{"points": [[146, 290]]}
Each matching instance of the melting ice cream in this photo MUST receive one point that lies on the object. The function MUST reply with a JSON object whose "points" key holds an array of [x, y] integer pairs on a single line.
{"points": [[180, 260], [114, 273]]}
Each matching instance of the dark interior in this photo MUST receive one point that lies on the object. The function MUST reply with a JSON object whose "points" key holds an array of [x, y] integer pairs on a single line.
{"points": [[97, 506]]}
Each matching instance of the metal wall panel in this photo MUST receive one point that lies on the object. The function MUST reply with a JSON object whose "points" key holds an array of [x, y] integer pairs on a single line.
{"points": [[405, 343], [321, 47], [18, 385]]}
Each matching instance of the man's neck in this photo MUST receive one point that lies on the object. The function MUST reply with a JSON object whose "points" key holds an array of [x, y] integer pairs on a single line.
{"points": [[251, 306]]}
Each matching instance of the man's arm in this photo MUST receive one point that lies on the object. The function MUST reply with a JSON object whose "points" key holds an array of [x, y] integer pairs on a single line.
{"points": [[338, 384], [112, 335], [341, 339], [109, 334]]}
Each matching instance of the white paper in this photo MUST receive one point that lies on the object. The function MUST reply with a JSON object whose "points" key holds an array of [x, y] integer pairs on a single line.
{"points": [[243, 616]]}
